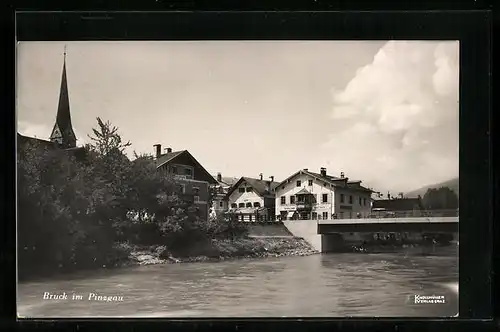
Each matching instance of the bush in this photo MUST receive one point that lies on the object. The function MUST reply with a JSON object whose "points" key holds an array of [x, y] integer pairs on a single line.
{"points": [[72, 212]]}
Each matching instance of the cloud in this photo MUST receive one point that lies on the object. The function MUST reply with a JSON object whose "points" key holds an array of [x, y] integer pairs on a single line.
{"points": [[395, 124]]}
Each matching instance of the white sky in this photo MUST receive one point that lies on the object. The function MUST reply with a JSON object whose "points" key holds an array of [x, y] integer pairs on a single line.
{"points": [[382, 112]]}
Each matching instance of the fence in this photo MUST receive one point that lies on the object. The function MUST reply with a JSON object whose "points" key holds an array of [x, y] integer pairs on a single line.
{"points": [[413, 214]]}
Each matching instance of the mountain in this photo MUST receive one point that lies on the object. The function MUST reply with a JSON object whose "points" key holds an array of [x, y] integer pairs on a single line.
{"points": [[452, 184]]}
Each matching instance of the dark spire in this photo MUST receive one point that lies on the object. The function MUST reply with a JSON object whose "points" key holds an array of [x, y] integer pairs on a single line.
{"points": [[62, 132]]}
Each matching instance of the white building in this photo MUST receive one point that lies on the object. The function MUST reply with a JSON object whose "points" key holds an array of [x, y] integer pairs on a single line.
{"points": [[252, 199], [220, 204], [308, 195]]}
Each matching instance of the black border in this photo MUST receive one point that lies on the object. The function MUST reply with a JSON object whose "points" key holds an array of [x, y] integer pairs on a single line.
{"points": [[472, 28]]}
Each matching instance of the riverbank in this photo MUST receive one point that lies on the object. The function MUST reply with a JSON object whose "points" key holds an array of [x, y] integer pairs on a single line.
{"points": [[216, 250]]}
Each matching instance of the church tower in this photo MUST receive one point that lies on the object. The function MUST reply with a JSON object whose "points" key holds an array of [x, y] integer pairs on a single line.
{"points": [[63, 133]]}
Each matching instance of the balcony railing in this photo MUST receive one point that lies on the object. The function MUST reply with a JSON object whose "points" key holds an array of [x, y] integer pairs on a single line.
{"points": [[413, 214], [303, 205]]}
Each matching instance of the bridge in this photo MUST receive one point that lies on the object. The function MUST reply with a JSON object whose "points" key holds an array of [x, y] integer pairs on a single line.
{"points": [[321, 233], [417, 224]]}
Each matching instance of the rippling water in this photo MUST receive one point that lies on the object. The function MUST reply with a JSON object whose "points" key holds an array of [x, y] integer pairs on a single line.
{"points": [[313, 286]]}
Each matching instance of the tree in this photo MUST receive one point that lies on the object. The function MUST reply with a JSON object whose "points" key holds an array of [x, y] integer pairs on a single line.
{"points": [[440, 199], [106, 139]]}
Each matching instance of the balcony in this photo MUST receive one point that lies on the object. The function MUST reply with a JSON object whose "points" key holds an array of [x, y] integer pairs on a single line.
{"points": [[303, 206]]}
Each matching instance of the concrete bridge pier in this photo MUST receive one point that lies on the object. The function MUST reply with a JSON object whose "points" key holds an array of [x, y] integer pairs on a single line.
{"points": [[332, 242]]}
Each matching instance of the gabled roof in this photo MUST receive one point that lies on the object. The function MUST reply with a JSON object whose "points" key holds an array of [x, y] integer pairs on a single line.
{"points": [[171, 156], [332, 180], [226, 180], [303, 191], [259, 186], [399, 204], [167, 157]]}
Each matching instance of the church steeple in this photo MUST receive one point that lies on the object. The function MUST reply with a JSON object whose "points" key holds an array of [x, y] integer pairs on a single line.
{"points": [[63, 133]]}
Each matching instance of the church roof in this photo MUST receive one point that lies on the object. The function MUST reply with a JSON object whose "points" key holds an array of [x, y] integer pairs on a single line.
{"points": [[63, 130]]}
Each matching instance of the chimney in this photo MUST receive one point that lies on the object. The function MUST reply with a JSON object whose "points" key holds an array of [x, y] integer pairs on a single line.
{"points": [[260, 176], [323, 172], [219, 177], [388, 195], [168, 150], [157, 150], [341, 175], [272, 178], [305, 169]]}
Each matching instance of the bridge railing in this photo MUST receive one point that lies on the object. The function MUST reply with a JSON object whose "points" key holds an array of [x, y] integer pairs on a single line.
{"points": [[412, 214]]}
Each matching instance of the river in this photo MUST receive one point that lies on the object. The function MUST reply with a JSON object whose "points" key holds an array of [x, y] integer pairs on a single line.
{"points": [[326, 285]]}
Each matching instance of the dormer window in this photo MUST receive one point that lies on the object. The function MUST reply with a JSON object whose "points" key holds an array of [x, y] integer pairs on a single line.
{"points": [[249, 205], [256, 204], [249, 189], [241, 190], [241, 205], [234, 205]]}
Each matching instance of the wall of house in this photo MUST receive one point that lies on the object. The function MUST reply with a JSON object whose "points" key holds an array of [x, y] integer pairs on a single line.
{"points": [[220, 204], [183, 162], [318, 188], [246, 197], [182, 170], [200, 191], [347, 210]]}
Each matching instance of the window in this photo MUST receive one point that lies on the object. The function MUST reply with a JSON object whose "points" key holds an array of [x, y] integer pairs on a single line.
{"points": [[360, 201], [325, 198], [314, 216], [196, 190], [256, 204], [220, 204], [174, 169], [196, 198], [292, 199], [188, 171], [283, 200], [341, 215], [250, 217], [364, 201], [310, 182], [315, 198], [242, 218], [299, 183], [341, 198], [249, 204], [182, 188], [325, 215], [241, 190], [234, 205], [241, 205], [249, 189], [350, 199]]}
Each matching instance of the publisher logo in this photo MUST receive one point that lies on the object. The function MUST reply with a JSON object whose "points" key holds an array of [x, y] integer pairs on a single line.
{"points": [[428, 299]]}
